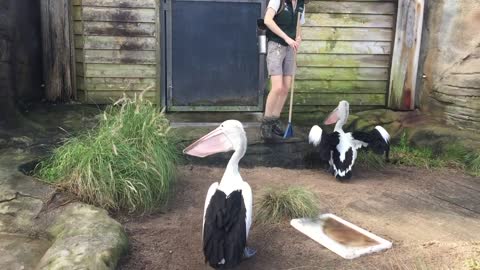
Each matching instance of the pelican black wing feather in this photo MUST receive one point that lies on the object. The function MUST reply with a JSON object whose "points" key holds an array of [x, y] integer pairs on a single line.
{"points": [[224, 236], [328, 143], [374, 140]]}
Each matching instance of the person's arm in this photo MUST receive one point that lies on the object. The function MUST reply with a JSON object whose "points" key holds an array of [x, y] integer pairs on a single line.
{"points": [[270, 23]]}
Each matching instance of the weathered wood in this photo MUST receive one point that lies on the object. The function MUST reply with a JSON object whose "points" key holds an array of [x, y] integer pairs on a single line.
{"points": [[355, 34], [115, 29], [58, 52], [115, 43], [313, 1], [118, 57], [4, 50], [116, 3], [108, 97], [345, 47], [403, 75], [80, 69], [351, 74], [333, 99], [108, 14], [342, 60], [120, 71], [348, 20], [120, 80], [121, 86], [367, 87], [351, 7]]}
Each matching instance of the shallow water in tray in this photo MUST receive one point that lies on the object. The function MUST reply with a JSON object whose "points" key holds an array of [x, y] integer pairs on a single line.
{"points": [[345, 235]]}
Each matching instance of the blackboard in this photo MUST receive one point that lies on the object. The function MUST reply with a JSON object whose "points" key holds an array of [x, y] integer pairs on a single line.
{"points": [[214, 54]]}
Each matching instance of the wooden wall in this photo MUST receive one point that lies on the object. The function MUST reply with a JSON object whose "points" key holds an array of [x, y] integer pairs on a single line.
{"points": [[116, 48], [345, 54]]}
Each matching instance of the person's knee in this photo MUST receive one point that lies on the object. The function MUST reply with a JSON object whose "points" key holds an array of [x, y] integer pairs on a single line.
{"points": [[283, 90], [278, 90]]}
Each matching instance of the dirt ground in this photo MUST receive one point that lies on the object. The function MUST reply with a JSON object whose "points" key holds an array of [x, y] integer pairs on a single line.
{"points": [[432, 218]]}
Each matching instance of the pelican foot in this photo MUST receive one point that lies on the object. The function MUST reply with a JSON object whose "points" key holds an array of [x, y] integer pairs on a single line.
{"points": [[249, 252]]}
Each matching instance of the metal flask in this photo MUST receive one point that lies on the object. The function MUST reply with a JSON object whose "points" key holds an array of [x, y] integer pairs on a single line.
{"points": [[262, 43]]}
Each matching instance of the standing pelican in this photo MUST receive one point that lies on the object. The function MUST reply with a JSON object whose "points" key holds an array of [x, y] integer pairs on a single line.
{"points": [[227, 214], [340, 148]]}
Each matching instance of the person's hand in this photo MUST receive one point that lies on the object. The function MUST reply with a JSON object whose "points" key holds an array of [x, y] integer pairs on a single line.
{"points": [[292, 43], [298, 40]]}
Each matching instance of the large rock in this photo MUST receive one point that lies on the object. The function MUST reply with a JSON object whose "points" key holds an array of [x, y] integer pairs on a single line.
{"points": [[84, 236], [451, 89]]}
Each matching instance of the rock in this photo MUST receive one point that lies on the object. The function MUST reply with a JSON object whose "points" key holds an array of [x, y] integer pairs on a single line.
{"points": [[84, 235], [23, 140], [451, 89]]}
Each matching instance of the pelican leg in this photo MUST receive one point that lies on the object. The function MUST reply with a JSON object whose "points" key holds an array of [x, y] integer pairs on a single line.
{"points": [[249, 252]]}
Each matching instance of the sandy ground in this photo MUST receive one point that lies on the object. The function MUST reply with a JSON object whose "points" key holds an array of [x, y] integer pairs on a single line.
{"points": [[432, 218]]}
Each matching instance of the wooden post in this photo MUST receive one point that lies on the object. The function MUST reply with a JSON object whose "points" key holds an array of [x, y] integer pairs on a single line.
{"points": [[405, 57], [58, 50]]}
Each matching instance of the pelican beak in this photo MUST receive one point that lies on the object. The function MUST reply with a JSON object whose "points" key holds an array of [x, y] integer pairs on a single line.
{"points": [[332, 118], [214, 142]]}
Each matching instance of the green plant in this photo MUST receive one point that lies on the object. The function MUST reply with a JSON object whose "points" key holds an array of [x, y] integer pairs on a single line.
{"points": [[473, 264], [127, 162], [278, 204]]}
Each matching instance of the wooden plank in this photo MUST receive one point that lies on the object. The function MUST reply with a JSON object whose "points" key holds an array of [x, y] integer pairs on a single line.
{"points": [[349, 74], [120, 71], [346, 47], [115, 29], [116, 3], [348, 20], [58, 51], [108, 14], [343, 60], [115, 43], [403, 75], [80, 69], [369, 87], [333, 99], [79, 56], [119, 57], [312, 1], [120, 86], [109, 97], [345, 34], [80, 82], [120, 80], [351, 7]]}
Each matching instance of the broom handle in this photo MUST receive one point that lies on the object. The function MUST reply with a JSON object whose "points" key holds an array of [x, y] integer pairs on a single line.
{"points": [[293, 77]]}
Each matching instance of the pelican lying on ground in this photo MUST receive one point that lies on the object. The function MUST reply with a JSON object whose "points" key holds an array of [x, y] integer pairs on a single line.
{"points": [[340, 148], [227, 214]]}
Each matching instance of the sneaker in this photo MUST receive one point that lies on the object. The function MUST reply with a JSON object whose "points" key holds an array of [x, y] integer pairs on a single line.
{"points": [[278, 128], [266, 129]]}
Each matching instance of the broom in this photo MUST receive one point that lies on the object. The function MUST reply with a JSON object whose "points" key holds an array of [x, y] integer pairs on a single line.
{"points": [[289, 131]]}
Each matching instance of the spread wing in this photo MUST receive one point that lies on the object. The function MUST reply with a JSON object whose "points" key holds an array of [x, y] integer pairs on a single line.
{"points": [[378, 140], [210, 193]]}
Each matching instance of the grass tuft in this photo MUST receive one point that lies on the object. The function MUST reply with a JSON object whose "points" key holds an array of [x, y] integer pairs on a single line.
{"points": [[127, 162], [453, 156], [279, 204]]}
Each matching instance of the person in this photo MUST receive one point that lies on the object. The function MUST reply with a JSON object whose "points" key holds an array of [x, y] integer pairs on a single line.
{"points": [[284, 38]]}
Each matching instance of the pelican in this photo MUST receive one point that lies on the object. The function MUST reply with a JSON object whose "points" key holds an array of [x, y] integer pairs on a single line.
{"points": [[340, 148], [227, 215]]}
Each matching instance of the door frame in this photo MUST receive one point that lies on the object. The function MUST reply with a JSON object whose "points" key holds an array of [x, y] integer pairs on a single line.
{"points": [[165, 70]]}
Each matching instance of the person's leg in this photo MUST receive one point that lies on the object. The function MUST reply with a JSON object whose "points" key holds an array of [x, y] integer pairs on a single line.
{"points": [[288, 68], [275, 95], [275, 57], [282, 97]]}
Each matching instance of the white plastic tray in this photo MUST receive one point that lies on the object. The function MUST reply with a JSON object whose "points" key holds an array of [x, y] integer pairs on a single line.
{"points": [[313, 228]]}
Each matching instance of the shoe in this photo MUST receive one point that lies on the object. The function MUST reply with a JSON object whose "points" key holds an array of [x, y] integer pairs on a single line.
{"points": [[266, 129], [278, 128]]}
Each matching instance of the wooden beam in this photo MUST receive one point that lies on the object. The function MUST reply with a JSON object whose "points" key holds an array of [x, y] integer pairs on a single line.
{"points": [[346, 34], [346, 47], [406, 52], [348, 74], [351, 7], [58, 52], [343, 60], [348, 20]]}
